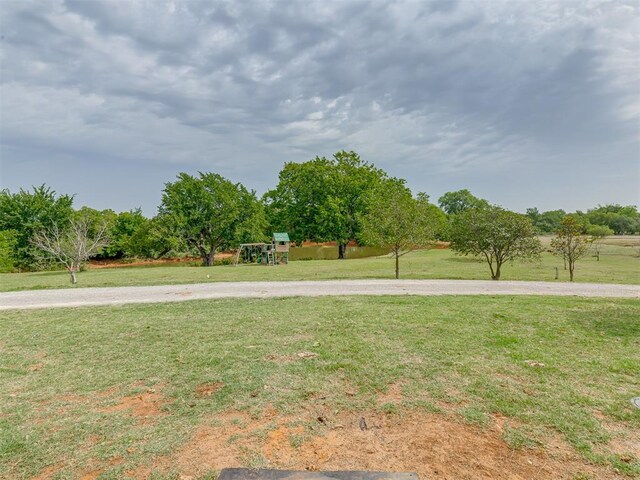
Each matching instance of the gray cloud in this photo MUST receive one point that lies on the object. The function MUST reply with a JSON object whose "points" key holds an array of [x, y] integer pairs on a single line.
{"points": [[526, 103]]}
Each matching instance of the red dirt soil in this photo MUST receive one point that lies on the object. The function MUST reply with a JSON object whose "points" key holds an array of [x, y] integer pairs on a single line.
{"points": [[145, 407], [436, 446], [208, 389], [432, 445]]}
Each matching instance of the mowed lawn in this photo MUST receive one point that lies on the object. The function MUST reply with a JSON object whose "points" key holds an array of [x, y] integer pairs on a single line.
{"points": [[618, 264], [116, 392]]}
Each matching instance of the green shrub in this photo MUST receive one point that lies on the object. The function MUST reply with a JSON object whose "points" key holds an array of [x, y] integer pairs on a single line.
{"points": [[8, 241], [224, 261]]}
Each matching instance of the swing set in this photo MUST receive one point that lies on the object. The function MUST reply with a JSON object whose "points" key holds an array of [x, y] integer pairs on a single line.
{"points": [[274, 253]]}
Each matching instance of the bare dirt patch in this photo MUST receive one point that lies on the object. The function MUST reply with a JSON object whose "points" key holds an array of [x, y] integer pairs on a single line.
{"points": [[625, 446], [49, 471], [93, 474], [145, 406], [433, 445], [280, 358], [207, 389], [393, 395]]}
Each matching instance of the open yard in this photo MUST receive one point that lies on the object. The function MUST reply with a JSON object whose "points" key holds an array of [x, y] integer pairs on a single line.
{"points": [[619, 263], [450, 387]]}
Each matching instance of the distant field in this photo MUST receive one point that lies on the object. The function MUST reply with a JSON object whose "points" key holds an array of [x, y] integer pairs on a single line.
{"points": [[618, 264], [631, 241], [473, 387], [331, 253]]}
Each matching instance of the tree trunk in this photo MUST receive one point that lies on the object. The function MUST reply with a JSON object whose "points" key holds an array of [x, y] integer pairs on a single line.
{"points": [[490, 262], [74, 280], [208, 258], [496, 275], [571, 267], [397, 264], [341, 250]]}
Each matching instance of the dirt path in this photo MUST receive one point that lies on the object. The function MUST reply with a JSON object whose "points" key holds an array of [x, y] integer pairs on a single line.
{"points": [[78, 297]]}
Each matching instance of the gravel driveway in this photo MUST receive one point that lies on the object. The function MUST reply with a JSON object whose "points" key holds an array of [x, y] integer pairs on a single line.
{"points": [[77, 297]]}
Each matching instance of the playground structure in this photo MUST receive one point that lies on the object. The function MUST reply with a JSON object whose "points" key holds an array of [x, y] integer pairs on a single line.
{"points": [[273, 253]]}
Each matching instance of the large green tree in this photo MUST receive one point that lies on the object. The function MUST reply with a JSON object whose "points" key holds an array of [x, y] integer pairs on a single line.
{"points": [[209, 213], [456, 202], [123, 227], [495, 234], [29, 212], [7, 249], [293, 205], [622, 220], [98, 220], [323, 199], [154, 238], [546, 222], [399, 222]]}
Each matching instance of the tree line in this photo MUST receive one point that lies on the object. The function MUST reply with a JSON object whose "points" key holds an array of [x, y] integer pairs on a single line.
{"points": [[341, 199]]}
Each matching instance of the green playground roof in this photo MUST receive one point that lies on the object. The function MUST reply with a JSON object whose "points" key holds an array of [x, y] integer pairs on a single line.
{"points": [[281, 237]]}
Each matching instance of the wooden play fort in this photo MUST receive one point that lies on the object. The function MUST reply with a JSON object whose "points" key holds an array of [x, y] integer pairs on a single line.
{"points": [[274, 253]]}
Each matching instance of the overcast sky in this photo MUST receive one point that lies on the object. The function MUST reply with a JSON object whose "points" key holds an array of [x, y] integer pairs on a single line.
{"points": [[526, 103]]}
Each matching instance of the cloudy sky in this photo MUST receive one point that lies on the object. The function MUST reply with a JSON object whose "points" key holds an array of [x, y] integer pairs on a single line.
{"points": [[526, 103]]}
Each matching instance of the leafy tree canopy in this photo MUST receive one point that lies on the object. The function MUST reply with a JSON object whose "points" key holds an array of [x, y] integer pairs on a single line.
{"points": [[457, 202], [398, 221], [546, 222], [622, 220], [570, 242], [599, 231], [153, 238], [323, 199], [495, 234], [123, 226], [29, 212], [209, 213], [7, 248]]}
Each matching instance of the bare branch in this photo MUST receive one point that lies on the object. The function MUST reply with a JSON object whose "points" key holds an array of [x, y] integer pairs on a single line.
{"points": [[73, 246]]}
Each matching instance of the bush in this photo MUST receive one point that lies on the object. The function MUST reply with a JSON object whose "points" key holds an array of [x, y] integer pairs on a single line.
{"points": [[8, 240], [224, 261]]}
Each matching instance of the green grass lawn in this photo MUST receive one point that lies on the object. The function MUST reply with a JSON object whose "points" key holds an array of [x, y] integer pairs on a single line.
{"points": [[618, 264], [63, 372]]}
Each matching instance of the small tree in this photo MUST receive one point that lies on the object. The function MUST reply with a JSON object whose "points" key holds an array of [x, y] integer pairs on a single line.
{"points": [[496, 234], [570, 243], [397, 221], [73, 245], [597, 234]]}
